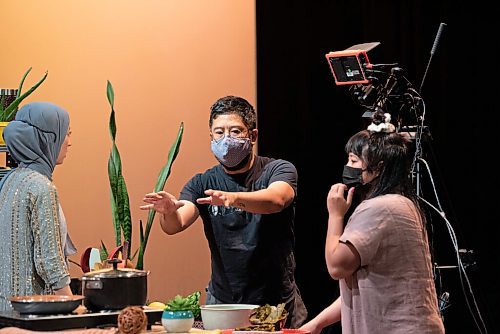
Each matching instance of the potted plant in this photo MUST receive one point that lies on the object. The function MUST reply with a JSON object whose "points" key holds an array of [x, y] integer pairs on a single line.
{"points": [[9, 106], [120, 207], [180, 313]]}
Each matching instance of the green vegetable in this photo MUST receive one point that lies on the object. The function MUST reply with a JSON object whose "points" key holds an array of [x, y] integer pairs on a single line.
{"points": [[189, 303]]}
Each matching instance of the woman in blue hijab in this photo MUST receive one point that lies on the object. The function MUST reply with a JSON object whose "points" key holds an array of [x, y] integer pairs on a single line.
{"points": [[34, 242]]}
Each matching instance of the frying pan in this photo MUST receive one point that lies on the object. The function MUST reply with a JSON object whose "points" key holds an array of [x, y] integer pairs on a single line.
{"points": [[45, 304]]}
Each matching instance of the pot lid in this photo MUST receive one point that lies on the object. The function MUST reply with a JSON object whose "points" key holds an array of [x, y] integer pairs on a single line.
{"points": [[115, 272]]}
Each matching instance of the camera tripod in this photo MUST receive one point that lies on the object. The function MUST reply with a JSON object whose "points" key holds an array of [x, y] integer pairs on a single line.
{"points": [[464, 258]]}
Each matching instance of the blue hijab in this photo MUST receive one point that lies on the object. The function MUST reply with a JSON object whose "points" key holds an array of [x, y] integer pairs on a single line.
{"points": [[34, 138]]}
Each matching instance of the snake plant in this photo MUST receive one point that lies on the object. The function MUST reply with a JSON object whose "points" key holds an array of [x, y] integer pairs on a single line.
{"points": [[7, 113], [120, 207]]}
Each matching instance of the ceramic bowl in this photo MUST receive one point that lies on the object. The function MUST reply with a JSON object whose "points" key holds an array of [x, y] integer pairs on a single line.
{"points": [[177, 321], [224, 316]]}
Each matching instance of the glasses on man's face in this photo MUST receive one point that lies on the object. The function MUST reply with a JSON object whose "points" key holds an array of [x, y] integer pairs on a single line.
{"points": [[234, 133]]}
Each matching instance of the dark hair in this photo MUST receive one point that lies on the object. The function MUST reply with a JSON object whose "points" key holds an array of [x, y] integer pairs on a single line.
{"points": [[357, 143], [234, 105], [389, 154]]}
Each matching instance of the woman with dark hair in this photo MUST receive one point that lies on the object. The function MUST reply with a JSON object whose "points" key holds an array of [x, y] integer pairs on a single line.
{"points": [[34, 240], [381, 256]]}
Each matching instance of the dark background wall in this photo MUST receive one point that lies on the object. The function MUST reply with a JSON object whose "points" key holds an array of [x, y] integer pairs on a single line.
{"points": [[305, 118]]}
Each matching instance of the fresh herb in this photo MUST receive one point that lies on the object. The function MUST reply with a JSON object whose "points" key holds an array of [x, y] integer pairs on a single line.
{"points": [[189, 303]]}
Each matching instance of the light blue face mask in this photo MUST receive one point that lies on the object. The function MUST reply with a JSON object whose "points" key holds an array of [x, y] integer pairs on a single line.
{"points": [[231, 151]]}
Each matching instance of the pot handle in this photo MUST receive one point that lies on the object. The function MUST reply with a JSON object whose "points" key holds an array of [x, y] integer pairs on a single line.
{"points": [[114, 262], [93, 284]]}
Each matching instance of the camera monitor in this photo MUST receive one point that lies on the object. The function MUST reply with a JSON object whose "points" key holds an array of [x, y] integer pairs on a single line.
{"points": [[348, 66]]}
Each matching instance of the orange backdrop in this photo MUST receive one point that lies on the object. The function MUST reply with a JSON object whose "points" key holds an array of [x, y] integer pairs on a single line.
{"points": [[168, 62]]}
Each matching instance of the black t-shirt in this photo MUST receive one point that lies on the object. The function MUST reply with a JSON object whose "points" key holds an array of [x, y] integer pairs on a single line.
{"points": [[252, 254]]}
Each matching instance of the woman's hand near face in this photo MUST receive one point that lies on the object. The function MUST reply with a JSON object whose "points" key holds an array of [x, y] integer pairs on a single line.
{"points": [[336, 202]]}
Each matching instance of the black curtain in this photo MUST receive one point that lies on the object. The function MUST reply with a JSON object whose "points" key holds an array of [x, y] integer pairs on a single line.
{"points": [[305, 118]]}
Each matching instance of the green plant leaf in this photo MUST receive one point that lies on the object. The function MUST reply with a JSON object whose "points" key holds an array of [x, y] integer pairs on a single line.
{"points": [[126, 222], [160, 184], [120, 198], [116, 221], [172, 154], [141, 231], [115, 208], [189, 303], [110, 94], [10, 111], [132, 257], [140, 258], [103, 252], [120, 206], [20, 88], [2, 102]]}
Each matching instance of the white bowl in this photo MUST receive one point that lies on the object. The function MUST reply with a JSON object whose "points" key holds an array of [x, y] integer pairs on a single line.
{"points": [[226, 316]]}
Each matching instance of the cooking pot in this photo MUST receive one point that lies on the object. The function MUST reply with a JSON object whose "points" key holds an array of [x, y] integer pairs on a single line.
{"points": [[114, 288]]}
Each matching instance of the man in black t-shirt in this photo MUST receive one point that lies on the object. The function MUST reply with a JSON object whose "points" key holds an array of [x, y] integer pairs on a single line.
{"points": [[247, 205]]}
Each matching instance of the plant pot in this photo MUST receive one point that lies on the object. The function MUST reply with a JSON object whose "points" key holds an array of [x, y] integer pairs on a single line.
{"points": [[177, 321], [114, 289], [2, 126]]}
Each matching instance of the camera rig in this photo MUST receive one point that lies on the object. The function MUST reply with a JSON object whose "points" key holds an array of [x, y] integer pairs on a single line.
{"points": [[383, 87], [377, 87]]}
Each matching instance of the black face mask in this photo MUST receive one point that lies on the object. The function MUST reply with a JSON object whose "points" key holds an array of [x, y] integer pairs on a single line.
{"points": [[351, 176]]}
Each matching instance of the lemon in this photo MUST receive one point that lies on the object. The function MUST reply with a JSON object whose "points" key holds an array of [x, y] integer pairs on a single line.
{"points": [[205, 331], [158, 305], [214, 331]]}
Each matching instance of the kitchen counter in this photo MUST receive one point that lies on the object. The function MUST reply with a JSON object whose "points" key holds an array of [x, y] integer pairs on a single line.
{"points": [[156, 329]]}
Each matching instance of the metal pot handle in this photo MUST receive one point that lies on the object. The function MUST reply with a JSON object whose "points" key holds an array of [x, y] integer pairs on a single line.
{"points": [[93, 283]]}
